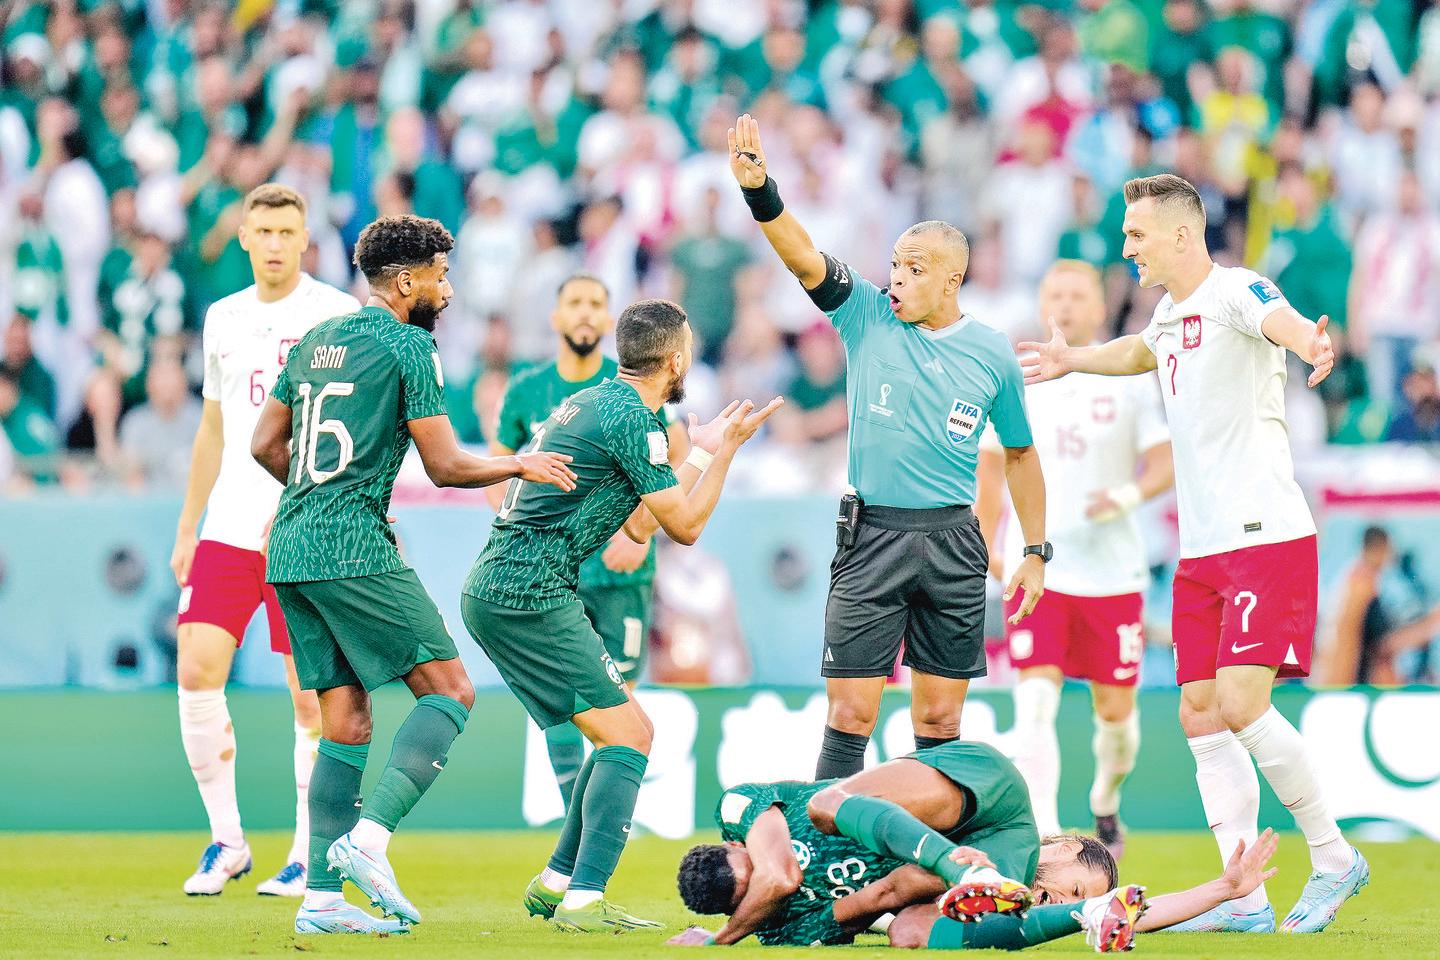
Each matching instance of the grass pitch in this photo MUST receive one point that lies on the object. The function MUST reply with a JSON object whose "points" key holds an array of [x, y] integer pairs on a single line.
{"points": [[118, 895]]}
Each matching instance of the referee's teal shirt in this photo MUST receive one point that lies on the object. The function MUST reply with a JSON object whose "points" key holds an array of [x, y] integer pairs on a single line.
{"points": [[919, 400]]}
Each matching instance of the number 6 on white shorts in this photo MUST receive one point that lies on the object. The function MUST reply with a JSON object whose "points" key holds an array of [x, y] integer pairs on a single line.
{"points": [[1240, 597]]}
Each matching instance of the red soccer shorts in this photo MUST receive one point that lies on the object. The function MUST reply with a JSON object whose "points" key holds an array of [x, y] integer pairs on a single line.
{"points": [[1255, 605], [226, 585], [1089, 638]]}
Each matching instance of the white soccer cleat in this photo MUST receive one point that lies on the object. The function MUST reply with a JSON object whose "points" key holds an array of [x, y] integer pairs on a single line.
{"points": [[1109, 921], [289, 882], [344, 918], [219, 865]]}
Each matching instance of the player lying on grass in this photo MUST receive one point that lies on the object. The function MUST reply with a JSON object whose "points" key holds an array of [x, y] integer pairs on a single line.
{"points": [[817, 863]]}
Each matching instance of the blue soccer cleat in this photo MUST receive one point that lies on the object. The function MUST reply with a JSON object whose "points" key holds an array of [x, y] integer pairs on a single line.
{"points": [[1226, 919], [344, 918], [372, 873], [219, 864], [1323, 895]]}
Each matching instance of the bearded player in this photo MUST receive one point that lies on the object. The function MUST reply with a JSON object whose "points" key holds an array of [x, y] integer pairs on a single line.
{"points": [[1246, 589], [353, 395], [221, 572], [817, 863], [1106, 449], [521, 603], [617, 583]]}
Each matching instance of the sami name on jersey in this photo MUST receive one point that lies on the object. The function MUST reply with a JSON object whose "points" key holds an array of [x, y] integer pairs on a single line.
{"points": [[1223, 383], [1090, 432], [245, 343]]}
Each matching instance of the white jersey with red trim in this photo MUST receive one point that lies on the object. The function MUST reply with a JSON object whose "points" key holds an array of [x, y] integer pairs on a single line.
{"points": [[1089, 431], [1223, 384], [245, 342]]}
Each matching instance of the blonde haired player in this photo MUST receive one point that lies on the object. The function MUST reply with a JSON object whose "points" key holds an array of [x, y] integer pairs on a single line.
{"points": [[1246, 588], [1106, 449], [221, 572]]}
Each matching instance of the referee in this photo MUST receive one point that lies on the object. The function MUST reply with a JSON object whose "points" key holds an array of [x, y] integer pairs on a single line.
{"points": [[910, 564]]}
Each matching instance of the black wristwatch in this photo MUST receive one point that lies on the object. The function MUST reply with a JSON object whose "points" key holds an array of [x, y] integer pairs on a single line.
{"points": [[1044, 551]]}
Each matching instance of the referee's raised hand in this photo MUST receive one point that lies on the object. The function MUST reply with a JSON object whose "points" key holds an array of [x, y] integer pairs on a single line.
{"points": [[747, 157]]}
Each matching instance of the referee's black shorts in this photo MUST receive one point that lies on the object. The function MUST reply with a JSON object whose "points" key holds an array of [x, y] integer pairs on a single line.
{"points": [[916, 576]]}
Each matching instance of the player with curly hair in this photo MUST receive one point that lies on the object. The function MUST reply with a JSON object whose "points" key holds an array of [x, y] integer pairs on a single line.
{"points": [[353, 393]]}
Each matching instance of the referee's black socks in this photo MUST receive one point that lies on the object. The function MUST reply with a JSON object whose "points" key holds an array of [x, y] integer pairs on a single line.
{"points": [[925, 743], [841, 754]]}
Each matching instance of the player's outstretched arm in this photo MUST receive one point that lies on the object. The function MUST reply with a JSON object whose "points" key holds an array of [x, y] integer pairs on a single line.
{"points": [[1245, 871], [789, 239], [449, 466], [1308, 341], [204, 468], [270, 444], [682, 513], [892, 893], [495, 493], [1053, 358]]}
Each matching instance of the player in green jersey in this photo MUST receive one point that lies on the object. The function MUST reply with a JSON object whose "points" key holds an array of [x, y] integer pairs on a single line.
{"points": [[520, 601], [817, 863], [618, 582], [353, 393]]}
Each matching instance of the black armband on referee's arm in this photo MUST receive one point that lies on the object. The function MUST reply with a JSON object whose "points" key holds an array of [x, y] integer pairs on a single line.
{"points": [[835, 289], [764, 201]]}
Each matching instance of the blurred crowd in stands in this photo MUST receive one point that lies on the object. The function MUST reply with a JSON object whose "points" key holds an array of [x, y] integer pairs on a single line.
{"points": [[555, 135]]}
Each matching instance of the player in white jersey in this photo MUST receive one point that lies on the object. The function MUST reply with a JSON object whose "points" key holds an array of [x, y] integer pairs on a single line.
{"points": [[1106, 449], [1246, 588], [221, 572]]}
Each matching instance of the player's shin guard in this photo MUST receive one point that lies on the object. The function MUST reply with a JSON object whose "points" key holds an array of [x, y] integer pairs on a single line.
{"points": [[1280, 752], [1230, 794], [1037, 749], [566, 747], [209, 739], [1115, 745], [307, 742], [334, 806], [1041, 924], [417, 755], [567, 848], [891, 830], [841, 754], [609, 803]]}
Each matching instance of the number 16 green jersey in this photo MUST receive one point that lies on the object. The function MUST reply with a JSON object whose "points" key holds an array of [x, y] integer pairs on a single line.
{"points": [[352, 384]]}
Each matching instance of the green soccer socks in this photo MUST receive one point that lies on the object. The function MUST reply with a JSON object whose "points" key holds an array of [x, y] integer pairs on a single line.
{"points": [[566, 747], [417, 756], [891, 830], [1041, 924], [334, 805], [567, 848], [608, 802]]}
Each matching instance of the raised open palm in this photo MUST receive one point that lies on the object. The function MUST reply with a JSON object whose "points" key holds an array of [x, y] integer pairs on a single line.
{"points": [[1044, 361], [747, 157]]}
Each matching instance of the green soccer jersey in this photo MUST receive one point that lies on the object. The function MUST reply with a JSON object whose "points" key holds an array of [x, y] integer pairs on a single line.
{"points": [[529, 400], [543, 534], [352, 384], [831, 867]]}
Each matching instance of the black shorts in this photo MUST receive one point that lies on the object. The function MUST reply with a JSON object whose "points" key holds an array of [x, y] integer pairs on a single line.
{"points": [[916, 576]]}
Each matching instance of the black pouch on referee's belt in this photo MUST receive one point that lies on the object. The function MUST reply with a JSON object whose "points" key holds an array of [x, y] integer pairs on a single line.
{"points": [[847, 524]]}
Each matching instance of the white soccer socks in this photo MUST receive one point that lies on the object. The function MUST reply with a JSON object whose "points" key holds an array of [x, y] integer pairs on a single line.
{"points": [[1037, 749], [1230, 793], [307, 743], [1279, 750], [209, 739], [1115, 746]]}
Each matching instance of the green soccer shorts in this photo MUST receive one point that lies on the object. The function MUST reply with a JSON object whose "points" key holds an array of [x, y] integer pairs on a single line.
{"points": [[620, 613], [552, 660], [362, 630]]}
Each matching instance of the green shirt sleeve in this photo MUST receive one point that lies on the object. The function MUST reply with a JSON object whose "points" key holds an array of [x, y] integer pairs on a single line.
{"points": [[283, 391], [514, 429], [641, 448], [1008, 410], [740, 806], [422, 385]]}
